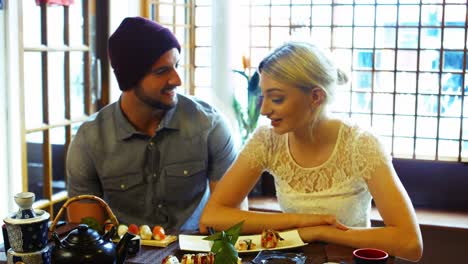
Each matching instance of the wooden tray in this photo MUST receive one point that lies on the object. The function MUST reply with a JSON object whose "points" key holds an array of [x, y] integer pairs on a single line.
{"points": [[156, 243]]}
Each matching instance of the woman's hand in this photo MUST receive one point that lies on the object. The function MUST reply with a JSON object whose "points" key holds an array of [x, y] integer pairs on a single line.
{"points": [[331, 220]]}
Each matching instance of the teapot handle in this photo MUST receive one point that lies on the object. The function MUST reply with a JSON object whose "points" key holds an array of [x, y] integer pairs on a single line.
{"points": [[100, 201]]}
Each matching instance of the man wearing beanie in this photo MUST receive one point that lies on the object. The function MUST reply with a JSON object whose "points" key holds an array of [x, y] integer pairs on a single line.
{"points": [[154, 154]]}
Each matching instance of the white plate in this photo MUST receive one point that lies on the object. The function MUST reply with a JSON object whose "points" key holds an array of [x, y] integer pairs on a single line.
{"points": [[197, 244]]}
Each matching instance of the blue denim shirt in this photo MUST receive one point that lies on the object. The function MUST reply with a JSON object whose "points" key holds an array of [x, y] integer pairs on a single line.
{"points": [[159, 180]]}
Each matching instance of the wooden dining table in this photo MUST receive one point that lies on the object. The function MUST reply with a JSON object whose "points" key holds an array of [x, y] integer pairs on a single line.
{"points": [[316, 252]]}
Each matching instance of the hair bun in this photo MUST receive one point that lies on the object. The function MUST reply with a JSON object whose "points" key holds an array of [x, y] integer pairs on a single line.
{"points": [[341, 77]]}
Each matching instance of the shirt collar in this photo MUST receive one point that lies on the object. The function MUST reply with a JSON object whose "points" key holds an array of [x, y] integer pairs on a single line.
{"points": [[126, 130]]}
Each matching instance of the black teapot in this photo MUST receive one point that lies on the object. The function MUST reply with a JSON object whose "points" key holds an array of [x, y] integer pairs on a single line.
{"points": [[84, 245]]}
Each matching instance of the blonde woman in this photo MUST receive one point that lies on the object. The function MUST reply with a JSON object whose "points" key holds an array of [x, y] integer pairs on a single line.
{"points": [[326, 170]]}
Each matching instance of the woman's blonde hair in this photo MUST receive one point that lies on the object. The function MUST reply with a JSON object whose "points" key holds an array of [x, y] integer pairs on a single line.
{"points": [[305, 66]]}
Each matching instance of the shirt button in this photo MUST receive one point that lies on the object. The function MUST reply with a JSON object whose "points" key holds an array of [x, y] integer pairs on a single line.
{"points": [[185, 172]]}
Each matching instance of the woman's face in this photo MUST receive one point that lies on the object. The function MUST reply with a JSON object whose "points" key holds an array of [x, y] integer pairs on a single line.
{"points": [[288, 107]]}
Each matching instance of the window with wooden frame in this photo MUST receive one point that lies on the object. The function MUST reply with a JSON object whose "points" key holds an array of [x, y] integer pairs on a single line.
{"points": [[60, 90], [407, 60], [178, 16]]}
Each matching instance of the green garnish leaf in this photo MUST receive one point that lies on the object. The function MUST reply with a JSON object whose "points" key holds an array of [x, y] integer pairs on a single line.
{"points": [[223, 244]]}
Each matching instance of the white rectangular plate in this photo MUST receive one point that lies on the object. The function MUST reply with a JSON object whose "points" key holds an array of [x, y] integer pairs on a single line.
{"points": [[197, 244]]}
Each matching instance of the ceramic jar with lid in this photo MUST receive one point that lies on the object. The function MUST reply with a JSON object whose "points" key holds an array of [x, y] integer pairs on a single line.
{"points": [[27, 229]]}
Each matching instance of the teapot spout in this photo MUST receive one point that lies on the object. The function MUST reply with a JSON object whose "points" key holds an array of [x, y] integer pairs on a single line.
{"points": [[122, 248], [109, 234]]}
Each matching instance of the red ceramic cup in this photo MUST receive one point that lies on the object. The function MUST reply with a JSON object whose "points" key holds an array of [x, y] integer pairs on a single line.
{"points": [[370, 256]]}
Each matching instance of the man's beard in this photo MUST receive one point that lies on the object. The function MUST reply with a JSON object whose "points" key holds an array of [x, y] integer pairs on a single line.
{"points": [[156, 104]]}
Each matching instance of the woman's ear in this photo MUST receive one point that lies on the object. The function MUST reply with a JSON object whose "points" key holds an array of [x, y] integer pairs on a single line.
{"points": [[318, 96]]}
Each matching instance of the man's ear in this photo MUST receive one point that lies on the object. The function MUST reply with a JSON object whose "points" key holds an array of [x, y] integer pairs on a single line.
{"points": [[318, 96]]}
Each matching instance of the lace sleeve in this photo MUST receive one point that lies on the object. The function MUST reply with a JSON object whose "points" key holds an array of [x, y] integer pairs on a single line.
{"points": [[369, 153], [256, 148]]}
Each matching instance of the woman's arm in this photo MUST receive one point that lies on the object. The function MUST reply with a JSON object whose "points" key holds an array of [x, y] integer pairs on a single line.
{"points": [[401, 235], [221, 211]]}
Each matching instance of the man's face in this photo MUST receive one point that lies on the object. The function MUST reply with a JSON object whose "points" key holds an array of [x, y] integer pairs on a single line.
{"points": [[158, 88]]}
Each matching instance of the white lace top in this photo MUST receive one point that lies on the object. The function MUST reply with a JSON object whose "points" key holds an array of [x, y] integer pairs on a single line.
{"points": [[338, 186]]}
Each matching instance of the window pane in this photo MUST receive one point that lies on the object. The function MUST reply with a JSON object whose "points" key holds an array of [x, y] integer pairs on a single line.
{"points": [[431, 15], [260, 15], [55, 25], [279, 36], [260, 36], [406, 82], [384, 82], [321, 36], [202, 76], [452, 83], [449, 128], [453, 61], [280, 15], [383, 103], [429, 60], [33, 89], [454, 38], [56, 83], [407, 15], [34, 146], [427, 105], [362, 81], [405, 104], [464, 153], [407, 60], [363, 37], [202, 16], [385, 37], [258, 55], [386, 15], [383, 124], [321, 15], [363, 59], [76, 23], [385, 60], [428, 83], [426, 127], [364, 15], [425, 148], [180, 15], [342, 37], [77, 94], [465, 128], [300, 15], [403, 147], [363, 120], [343, 15], [361, 102], [341, 102], [31, 27], [448, 149], [181, 35], [203, 36], [342, 58], [450, 105], [408, 38], [430, 38], [404, 126], [454, 15], [202, 56]]}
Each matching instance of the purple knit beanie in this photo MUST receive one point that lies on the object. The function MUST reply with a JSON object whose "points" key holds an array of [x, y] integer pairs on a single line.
{"points": [[135, 46]]}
